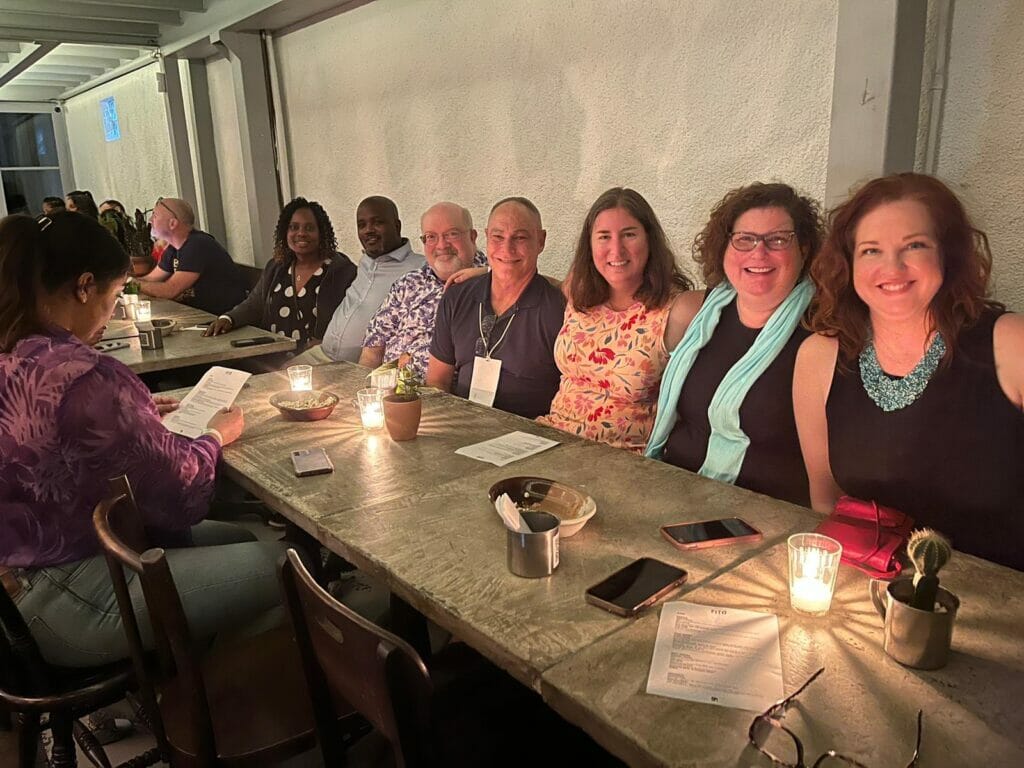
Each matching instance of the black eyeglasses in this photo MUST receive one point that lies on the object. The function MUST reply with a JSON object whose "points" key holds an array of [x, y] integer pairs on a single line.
{"points": [[766, 735], [773, 241]]}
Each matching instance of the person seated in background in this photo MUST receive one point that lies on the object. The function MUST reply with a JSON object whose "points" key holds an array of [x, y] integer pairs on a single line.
{"points": [[911, 391], [113, 205], [302, 285], [404, 323], [627, 309], [81, 201], [386, 257], [52, 205], [72, 417], [194, 268], [725, 409], [494, 335]]}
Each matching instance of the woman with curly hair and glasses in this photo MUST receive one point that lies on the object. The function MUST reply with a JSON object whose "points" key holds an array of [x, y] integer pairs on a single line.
{"points": [[911, 392], [304, 283], [725, 408]]}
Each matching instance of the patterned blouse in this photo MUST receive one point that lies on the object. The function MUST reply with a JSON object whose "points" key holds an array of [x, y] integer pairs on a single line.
{"points": [[71, 418], [294, 314], [404, 322], [611, 363]]}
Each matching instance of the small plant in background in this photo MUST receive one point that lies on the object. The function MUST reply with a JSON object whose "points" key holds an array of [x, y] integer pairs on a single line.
{"points": [[408, 384], [929, 551]]}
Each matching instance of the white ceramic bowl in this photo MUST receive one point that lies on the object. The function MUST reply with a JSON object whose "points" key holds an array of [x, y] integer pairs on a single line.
{"points": [[570, 505]]}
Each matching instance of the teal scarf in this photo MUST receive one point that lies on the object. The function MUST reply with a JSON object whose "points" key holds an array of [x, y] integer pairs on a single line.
{"points": [[728, 443]]}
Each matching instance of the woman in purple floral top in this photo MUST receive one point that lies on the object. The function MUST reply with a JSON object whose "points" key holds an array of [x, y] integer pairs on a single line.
{"points": [[71, 418]]}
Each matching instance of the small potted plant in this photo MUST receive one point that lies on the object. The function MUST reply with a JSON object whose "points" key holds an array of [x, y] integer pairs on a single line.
{"points": [[918, 614], [403, 409]]}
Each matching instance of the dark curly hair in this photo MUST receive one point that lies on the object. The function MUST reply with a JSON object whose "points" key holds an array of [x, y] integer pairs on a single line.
{"points": [[710, 244], [838, 311], [662, 276], [328, 241]]}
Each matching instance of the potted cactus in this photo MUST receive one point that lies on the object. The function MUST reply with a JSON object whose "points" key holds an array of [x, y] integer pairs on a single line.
{"points": [[929, 551], [403, 409], [917, 614]]}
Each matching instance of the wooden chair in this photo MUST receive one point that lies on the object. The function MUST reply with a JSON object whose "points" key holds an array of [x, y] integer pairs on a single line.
{"points": [[31, 688], [242, 703], [347, 657]]}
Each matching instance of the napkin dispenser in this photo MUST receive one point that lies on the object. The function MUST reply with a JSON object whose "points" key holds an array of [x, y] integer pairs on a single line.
{"points": [[150, 336]]}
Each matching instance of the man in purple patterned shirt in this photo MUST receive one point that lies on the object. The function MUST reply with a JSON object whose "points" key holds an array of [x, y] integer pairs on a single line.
{"points": [[404, 322]]}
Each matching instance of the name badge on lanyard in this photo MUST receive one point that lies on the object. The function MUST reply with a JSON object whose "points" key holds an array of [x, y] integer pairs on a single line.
{"points": [[486, 370]]}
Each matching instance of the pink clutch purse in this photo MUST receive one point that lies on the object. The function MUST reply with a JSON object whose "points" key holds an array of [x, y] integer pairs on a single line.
{"points": [[871, 535]]}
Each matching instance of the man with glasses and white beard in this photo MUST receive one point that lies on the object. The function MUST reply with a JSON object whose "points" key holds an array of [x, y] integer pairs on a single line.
{"points": [[403, 324]]}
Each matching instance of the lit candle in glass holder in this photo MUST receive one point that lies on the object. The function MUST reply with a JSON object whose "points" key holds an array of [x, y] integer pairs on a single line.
{"points": [[144, 313], [813, 567], [371, 408], [301, 378]]}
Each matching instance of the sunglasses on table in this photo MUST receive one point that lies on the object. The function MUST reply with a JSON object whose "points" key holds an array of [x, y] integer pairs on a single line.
{"points": [[783, 747]]}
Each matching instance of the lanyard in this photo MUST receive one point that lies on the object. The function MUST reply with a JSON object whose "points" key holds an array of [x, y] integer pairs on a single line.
{"points": [[480, 321]]}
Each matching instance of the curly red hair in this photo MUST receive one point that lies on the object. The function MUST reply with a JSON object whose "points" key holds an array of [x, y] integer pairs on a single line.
{"points": [[838, 311]]}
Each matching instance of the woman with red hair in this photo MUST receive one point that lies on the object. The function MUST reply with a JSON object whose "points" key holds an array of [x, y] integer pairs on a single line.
{"points": [[911, 392]]}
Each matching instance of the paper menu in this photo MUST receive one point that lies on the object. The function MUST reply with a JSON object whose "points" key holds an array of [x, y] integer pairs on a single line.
{"points": [[724, 656], [215, 391], [507, 448]]}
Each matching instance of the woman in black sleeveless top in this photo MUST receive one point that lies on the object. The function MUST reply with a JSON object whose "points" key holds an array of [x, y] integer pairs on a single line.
{"points": [[726, 407], [912, 394]]}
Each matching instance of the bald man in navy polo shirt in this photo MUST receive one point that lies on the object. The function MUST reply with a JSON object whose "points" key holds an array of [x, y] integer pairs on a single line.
{"points": [[494, 336]]}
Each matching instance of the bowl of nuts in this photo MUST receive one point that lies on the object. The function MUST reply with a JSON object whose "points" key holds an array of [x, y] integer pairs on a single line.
{"points": [[304, 406]]}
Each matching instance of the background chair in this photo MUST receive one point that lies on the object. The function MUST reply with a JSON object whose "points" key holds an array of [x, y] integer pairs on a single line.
{"points": [[242, 703], [31, 688]]}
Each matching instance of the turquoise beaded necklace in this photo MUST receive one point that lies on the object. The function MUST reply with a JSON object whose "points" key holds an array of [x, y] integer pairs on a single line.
{"points": [[893, 394]]}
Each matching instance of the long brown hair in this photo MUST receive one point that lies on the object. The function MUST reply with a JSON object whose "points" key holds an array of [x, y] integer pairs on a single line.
{"points": [[662, 276], [966, 260], [45, 255], [711, 242]]}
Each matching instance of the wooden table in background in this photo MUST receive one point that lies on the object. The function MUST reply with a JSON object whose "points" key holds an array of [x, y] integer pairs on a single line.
{"points": [[417, 516], [185, 348]]}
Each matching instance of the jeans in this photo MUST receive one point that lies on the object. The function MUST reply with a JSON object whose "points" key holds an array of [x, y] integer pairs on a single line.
{"points": [[227, 581]]}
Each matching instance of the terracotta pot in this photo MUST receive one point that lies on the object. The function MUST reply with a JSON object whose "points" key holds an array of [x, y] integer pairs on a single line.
{"points": [[402, 416]]}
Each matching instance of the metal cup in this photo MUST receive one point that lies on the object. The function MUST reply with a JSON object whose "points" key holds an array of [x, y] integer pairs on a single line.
{"points": [[914, 638], [534, 554]]}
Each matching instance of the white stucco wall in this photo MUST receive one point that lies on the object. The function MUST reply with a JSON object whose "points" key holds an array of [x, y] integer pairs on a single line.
{"points": [[474, 100], [981, 149], [228, 146], [137, 168]]}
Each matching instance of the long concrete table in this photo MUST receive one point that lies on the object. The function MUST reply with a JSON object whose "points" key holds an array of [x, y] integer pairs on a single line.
{"points": [[416, 516], [184, 348]]}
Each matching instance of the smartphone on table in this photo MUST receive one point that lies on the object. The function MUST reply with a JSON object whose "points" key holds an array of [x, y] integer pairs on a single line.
{"points": [[311, 461], [640, 584], [710, 533]]}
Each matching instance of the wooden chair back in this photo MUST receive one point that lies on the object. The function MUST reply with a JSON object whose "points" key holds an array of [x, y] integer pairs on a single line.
{"points": [[347, 657], [117, 522]]}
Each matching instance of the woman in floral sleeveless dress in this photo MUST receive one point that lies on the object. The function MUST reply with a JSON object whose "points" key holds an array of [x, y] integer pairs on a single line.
{"points": [[627, 309]]}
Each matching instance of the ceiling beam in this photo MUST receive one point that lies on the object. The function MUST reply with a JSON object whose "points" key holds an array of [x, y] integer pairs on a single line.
{"points": [[106, 77], [26, 61], [102, 51], [6, 47], [39, 82], [46, 22], [195, 6], [32, 34], [103, 11], [4, 58], [101, 62], [29, 93], [46, 68]]}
